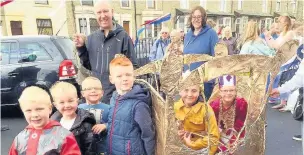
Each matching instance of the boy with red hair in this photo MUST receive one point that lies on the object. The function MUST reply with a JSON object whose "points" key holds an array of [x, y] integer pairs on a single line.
{"points": [[130, 126]]}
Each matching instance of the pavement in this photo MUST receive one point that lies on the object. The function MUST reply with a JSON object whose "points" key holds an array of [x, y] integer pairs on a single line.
{"points": [[280, 130]]}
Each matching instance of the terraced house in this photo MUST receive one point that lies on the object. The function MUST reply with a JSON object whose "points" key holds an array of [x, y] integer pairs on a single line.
{"points": [[128, 13], [78, 16], [33, 17], [236, 13]]}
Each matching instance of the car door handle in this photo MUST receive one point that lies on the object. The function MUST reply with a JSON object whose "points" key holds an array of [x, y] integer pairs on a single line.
{"points": [[12, 74]]}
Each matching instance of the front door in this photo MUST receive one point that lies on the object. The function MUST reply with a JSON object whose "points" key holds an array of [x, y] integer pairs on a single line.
{"points": [[126, 25]]}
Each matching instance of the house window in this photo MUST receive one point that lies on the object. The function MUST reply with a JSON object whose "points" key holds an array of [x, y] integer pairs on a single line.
{"points": [[151, 4], [148, 33], [245, 21], [184, 4], [157, 28], [87, 2], [41, 2], [240, 4], [223, 5], [93, 25], [44, 26], [181, 22], [276, 19], [126, 26], [225, 21], [83, 25], [0, 28], [263, 25], [203, 3], [125, 3], [268, 23], [238, 25], [16, 27], [278, 5], [264, 6], [294, 6]]}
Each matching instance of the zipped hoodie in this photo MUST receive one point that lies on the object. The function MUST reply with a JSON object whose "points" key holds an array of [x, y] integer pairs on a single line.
{"points": [[203, 43], [98, 52]]}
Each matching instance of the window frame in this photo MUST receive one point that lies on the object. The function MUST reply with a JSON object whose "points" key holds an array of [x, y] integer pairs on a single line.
{"points": [[223, 5], [147, 28], [16, 28], [278, 7], [224, 19], [182, 2], [156, 29], [244, 22], [240, 4], [151, 8], [203, 3], [85, 27], [95, 26], [51, 27], [42, 2], [238, 21], [268, 22], [265, 6], [87, 2], [123, 7], [294, 6]]}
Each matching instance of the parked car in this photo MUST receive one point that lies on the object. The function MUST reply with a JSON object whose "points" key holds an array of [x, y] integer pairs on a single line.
{"points": [[35, 60]]}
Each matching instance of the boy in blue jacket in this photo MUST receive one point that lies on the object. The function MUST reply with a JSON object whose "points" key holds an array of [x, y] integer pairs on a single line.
{"points": [[92, 92], [130, 127]]}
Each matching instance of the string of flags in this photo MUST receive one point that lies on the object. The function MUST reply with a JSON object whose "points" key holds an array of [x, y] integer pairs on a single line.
{"points": [[4, 2]]}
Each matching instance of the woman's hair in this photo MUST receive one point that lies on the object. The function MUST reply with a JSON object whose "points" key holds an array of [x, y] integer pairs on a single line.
{"points": [[251, 32], [227, 28], [297, 24], [288, 25], [204, 16]]}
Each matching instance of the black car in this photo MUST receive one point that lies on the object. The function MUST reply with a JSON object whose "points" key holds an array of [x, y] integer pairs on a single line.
{"points": [[35, 60]]}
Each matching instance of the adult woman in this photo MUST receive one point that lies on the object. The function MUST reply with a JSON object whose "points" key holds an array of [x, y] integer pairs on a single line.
{"points": [[192, 114], [201, 39], [285, 36], [230, 111], [229, 40], [159, 47], [285, 25], [252, 43]]}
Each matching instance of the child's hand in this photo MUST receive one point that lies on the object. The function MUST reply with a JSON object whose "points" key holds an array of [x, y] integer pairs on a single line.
{"points": [[98, 128], [181, 133], [187, 138]]}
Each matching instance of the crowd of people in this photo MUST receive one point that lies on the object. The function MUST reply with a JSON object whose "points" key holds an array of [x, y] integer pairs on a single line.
{"points": [[116, 116]]}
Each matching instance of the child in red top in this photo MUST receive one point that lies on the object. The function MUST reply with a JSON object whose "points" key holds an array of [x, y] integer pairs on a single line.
{"points": [[42, 136]]}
